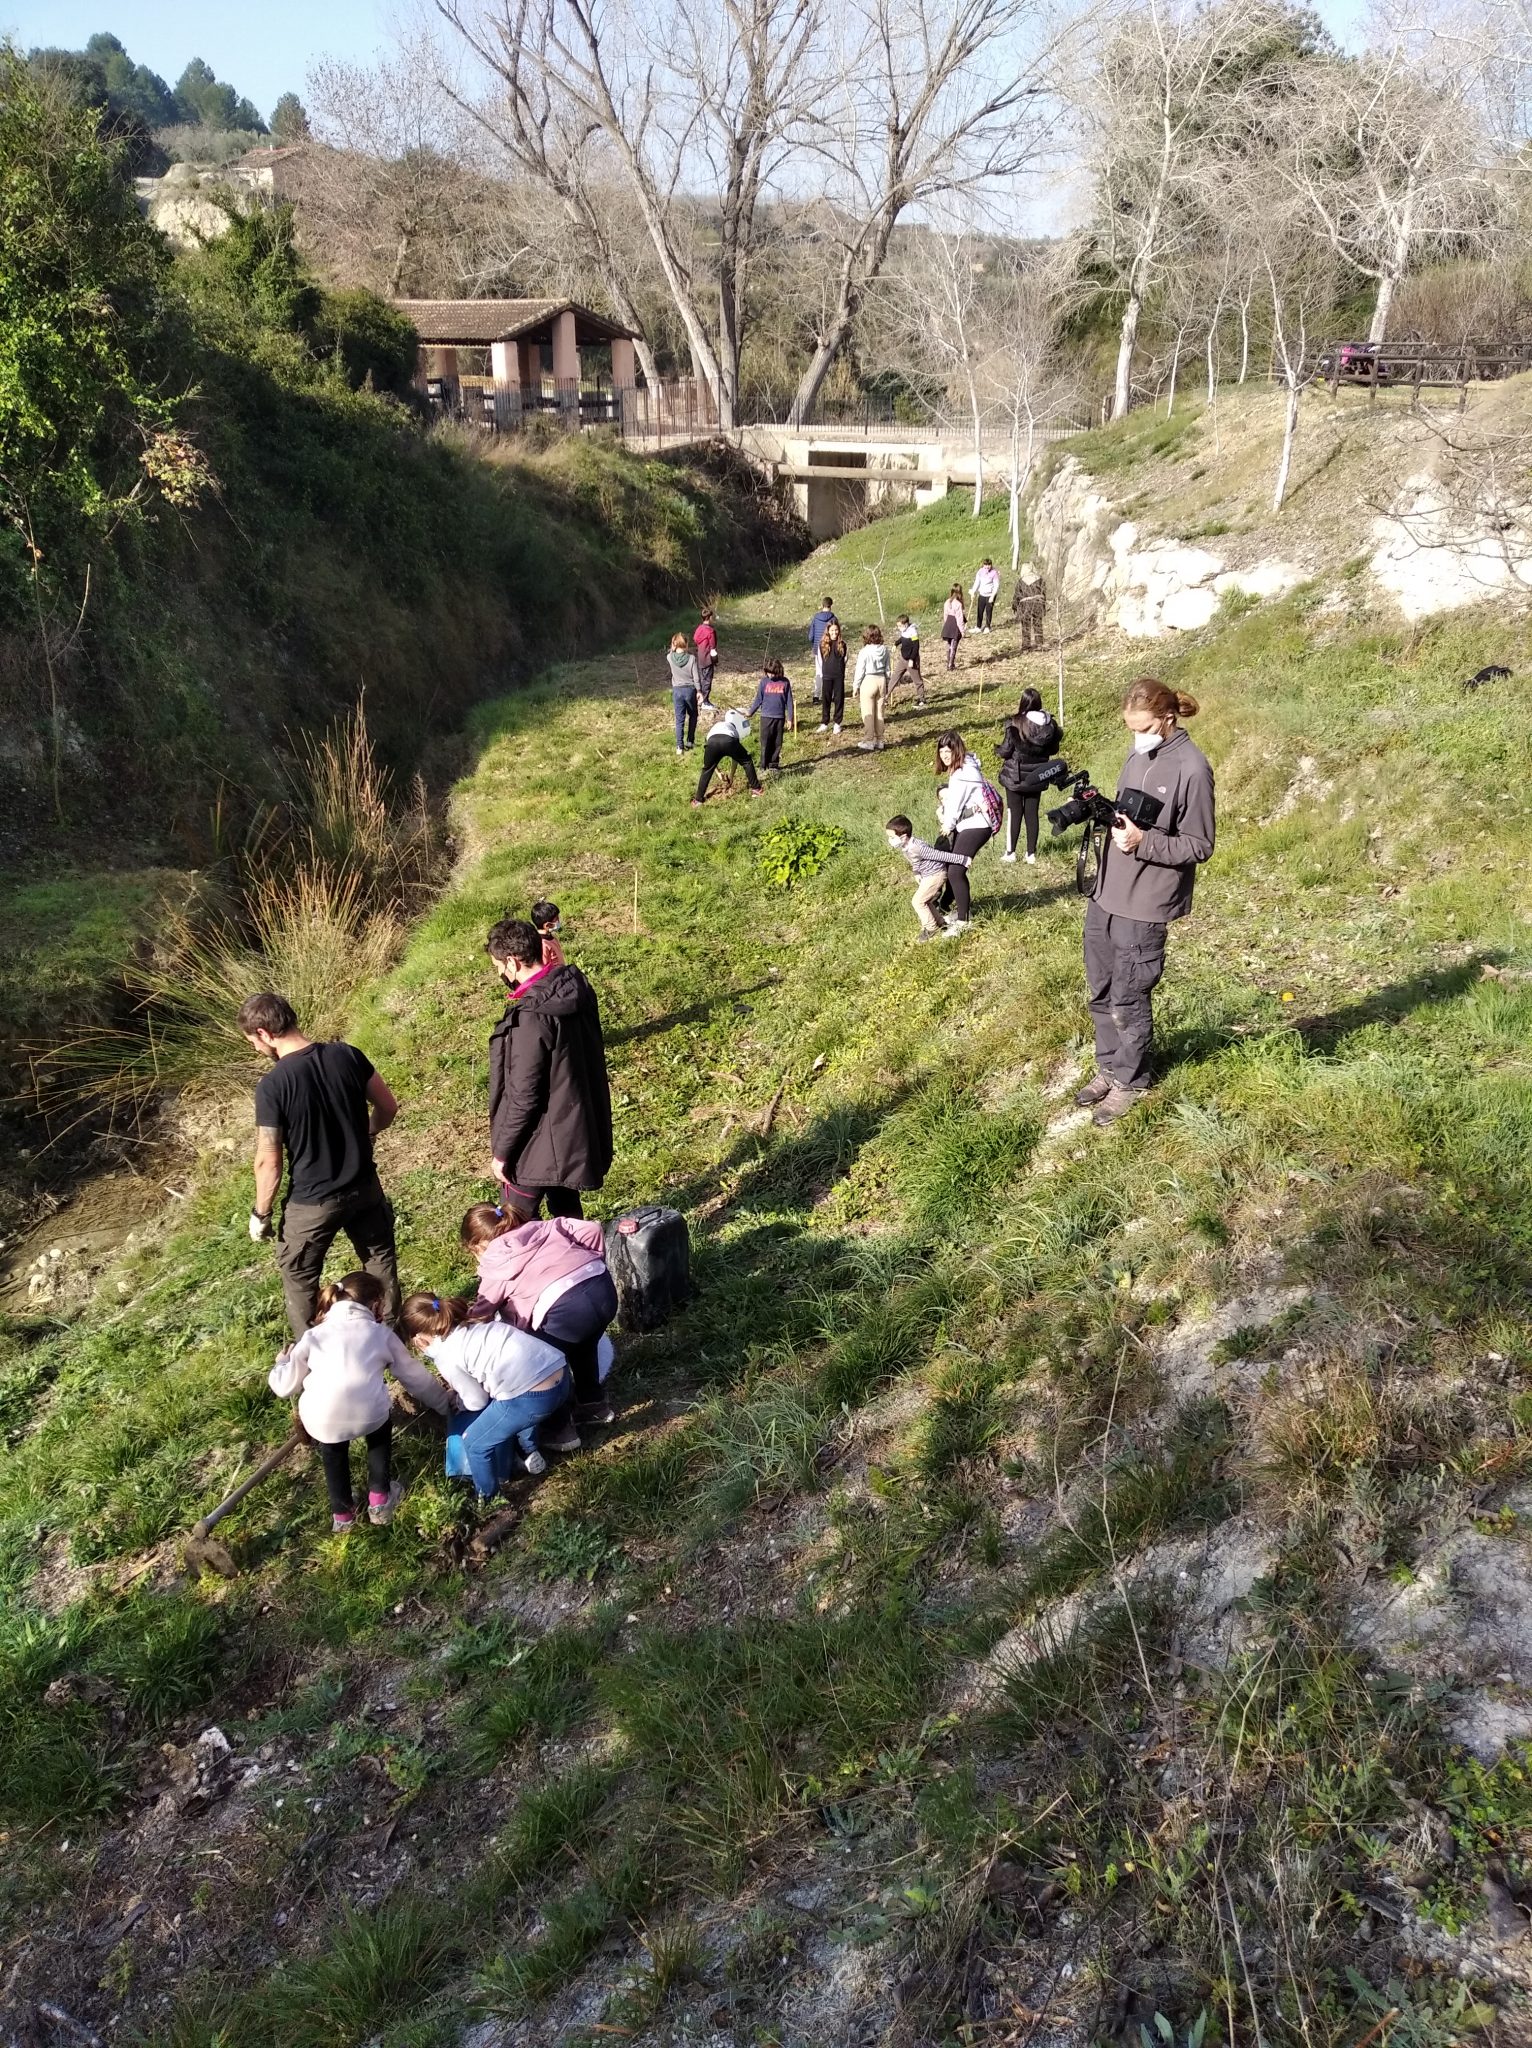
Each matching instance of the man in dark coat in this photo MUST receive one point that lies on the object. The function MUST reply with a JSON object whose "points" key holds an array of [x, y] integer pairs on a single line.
{"points": [[550, 1106], [1027, 606]]}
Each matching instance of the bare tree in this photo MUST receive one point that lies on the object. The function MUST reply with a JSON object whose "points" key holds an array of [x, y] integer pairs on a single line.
{"points": [[941, 98], [696, 104], [1299, 281], [1035, 386], [1386, 153], [385, 192], [1176, 85], [934, 328]]}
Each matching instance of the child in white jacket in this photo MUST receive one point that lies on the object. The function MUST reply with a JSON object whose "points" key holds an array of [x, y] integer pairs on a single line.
{"points": [[507, 1380], [336, 1369]]}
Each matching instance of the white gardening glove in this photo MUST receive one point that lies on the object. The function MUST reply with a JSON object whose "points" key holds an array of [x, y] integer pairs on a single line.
{"points": [[260, 1228]]}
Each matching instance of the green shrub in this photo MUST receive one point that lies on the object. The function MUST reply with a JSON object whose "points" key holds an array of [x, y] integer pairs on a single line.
{"points": [[794, 850]]}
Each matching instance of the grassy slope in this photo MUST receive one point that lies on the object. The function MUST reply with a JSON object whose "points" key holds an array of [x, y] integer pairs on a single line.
{"points": [[942, 1383]]}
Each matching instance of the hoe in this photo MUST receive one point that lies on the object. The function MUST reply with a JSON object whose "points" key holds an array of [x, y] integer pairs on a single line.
{"points": [[202, 1550]]}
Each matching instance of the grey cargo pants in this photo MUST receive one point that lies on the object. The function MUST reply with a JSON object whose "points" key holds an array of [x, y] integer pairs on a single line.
{"points": [[1124, 959], [309, 1229]]}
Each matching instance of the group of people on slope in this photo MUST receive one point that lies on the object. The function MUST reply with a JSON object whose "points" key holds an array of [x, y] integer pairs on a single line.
{"points": [[516, 1369], [1142, 884], [884, 665]]}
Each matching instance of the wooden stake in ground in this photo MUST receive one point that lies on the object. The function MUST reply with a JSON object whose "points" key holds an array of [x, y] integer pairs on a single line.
{"points": [[635, 899]]}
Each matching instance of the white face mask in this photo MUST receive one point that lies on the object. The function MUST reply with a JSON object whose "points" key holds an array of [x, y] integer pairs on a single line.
{"points": [[1146, 742]]}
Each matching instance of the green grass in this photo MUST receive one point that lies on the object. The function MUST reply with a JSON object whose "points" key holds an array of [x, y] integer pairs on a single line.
{"points": [[922, 1397]]}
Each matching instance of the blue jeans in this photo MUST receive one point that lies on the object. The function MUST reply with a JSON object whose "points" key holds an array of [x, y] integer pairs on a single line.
{"points": [[490, 1437], [685, 703]]}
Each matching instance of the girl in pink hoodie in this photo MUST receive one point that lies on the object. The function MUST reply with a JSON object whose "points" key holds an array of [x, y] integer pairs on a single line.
{"points": [[551, 1277]]}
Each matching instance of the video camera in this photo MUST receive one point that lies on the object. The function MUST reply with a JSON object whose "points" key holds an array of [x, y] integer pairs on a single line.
{"points": [[1098, 814]]}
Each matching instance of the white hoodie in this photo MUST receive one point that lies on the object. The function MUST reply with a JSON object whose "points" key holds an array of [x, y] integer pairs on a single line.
{"points": [[336, 1369], [484, 1362], [960, 803]]}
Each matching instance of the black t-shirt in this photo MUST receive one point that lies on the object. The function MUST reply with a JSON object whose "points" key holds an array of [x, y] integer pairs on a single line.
{"points": [[317, 1099]]}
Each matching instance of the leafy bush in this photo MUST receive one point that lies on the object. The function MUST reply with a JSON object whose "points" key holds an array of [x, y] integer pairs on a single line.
{"points": [[373, 344], [795, 850]]}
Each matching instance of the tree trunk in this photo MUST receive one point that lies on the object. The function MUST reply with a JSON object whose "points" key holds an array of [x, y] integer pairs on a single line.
{"points": [[1015, 493], [1399, 262], [978, 441], [1244, 338], [401, 257], [1289, 429], [1122, 390], [1175, 364], [1212, 362]]}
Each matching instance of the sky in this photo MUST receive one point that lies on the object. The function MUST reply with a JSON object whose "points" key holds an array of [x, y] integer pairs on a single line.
{"points": [[262, 48], [265, 49]]}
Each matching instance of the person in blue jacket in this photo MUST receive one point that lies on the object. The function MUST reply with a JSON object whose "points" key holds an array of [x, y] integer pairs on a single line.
{"points": [[774, 701], [825, 616]]}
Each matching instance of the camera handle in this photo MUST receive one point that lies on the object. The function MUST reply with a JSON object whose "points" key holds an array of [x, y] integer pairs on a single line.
{"points": [[1088, 860]]}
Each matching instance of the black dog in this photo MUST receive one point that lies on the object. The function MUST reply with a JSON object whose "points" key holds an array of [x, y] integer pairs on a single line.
{"points": [[1493, 674]]}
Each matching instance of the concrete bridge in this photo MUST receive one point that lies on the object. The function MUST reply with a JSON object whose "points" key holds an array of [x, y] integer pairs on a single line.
{"points": [[839, 474]]}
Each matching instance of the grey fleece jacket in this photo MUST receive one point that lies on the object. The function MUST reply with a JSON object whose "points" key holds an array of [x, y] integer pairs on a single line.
{"points": [[1154, 882]]}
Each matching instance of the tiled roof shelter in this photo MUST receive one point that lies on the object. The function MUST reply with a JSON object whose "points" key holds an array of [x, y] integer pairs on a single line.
{"points": [[516, 331]]}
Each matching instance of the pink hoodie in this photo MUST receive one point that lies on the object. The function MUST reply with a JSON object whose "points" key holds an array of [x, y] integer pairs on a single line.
{"points": [[518, 1269]]}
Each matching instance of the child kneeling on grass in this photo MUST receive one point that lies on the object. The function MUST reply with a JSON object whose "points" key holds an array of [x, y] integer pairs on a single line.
{"points": [[551, 1277], [930, 867], [336, 1369], [507, 1381]]}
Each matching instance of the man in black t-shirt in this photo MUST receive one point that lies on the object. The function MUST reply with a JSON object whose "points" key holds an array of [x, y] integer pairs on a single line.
{"points": [[321, 1104]]}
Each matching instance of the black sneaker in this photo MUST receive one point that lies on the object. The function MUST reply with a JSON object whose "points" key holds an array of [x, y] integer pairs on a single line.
{"points": [[595, 1414]]}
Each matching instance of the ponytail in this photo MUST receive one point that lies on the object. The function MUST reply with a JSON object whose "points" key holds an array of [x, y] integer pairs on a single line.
{"points": [[486, 1221], [1149, 694], [432, 1315], [362, 1288]]}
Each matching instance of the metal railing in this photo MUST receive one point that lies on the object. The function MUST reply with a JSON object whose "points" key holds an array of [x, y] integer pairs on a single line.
{"points": [[511, 408]]}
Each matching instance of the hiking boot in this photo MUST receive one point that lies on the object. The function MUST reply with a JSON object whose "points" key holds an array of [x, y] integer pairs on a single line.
{"points": [[561, 1436], [535, 1463], [381, 1512], [598, 1414], [1094, 1091], [1116, 1103]]}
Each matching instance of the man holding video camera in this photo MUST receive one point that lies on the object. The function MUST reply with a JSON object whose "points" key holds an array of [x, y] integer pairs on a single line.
{"points": [[1144, 881]]}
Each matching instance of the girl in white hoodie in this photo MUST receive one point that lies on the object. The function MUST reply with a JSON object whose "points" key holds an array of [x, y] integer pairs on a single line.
{"points": [[963, 810], [507, 1380], [336, 1369]]}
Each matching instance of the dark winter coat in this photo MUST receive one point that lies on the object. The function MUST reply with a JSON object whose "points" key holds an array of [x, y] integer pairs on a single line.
{"points": [[550, 1107], [1023, 750]]}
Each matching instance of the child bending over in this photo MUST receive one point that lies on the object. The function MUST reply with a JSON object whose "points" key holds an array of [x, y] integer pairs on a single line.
{"points": [[336, 1369], [930, 867], [550, 1277], [507, 1381]]}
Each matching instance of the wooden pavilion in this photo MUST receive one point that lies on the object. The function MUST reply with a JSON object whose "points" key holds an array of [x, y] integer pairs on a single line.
{"points": [[521, 355]]}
